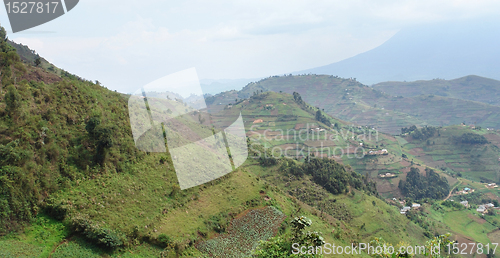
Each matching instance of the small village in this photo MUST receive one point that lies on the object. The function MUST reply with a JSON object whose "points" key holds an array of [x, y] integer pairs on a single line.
{"points": [[377, 152], [407, 208]]}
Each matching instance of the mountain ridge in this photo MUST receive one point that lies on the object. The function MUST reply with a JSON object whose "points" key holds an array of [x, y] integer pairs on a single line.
{"points": [[444, 50]]}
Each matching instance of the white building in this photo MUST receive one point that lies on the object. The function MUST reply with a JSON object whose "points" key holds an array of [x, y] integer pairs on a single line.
{"points": [[405, 209]]}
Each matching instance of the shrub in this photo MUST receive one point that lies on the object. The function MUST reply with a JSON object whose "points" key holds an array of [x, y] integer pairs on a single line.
{"points": [[164, 240], [97, 234]]}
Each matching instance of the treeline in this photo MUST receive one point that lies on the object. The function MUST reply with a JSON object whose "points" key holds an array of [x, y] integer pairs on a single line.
{"points": [[418, 186], [471, 138], [329, 174], [424, 133], [322, 118], [408, 130], [298, 99]]}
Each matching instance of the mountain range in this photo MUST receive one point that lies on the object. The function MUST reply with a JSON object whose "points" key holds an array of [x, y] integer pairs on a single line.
{"points": [[444, 50]]}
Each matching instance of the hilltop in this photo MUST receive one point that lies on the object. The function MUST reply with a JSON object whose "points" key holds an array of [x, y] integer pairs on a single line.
{"points": [[472, 87], [351, 101]]}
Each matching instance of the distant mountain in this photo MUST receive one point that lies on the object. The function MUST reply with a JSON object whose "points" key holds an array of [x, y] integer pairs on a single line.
{"points": [[470, 87], [218, 86], [446, 50], [351, 101]]}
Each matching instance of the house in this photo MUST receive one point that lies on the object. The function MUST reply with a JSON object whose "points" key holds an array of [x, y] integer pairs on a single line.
{"points": [[378, 152], [481, 209], [491, 185], [465, 203], [466, 189], [258, 121], [405, 209], [387, 175], [489, 205], [415, 205]]}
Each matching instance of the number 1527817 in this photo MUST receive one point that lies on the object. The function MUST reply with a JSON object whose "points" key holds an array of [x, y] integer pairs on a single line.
{"points": [[31, 7]]}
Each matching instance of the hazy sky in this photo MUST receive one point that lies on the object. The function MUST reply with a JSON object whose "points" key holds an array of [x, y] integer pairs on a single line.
{"points": [[126, 44]]}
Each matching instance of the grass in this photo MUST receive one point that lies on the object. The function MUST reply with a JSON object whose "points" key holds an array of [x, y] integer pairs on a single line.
{"points": [[40, 238], [463, 223], [229, 196], [360, 211]]}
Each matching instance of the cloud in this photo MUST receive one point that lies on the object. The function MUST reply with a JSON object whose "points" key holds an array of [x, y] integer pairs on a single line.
{"points": [[127, 43]]}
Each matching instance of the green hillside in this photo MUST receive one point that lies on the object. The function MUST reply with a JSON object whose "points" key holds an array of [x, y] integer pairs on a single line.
{"points": [[73, 183], [352, 101], [281, 135], [474, 88]]}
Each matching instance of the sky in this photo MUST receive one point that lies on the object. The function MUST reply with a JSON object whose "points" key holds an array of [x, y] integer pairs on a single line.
{"points": [[126, 44]]}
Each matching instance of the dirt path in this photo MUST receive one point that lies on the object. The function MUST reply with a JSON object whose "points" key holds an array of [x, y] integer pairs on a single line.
{"points": [[449, 195], [62, 242]]}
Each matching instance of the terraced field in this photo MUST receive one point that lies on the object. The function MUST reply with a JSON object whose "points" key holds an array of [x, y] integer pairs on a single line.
{"points": [[476, 162], [352, 101]]}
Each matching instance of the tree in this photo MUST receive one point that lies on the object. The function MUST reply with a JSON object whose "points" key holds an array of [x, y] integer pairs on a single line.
{"points": [[3, 35], [101, 137], [282, 246], [418, 186], [37, 61], [12, 100], [92, 124], [3, 40]]}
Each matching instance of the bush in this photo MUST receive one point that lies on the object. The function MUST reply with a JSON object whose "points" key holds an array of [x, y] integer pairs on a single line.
{"points": [[97, 234], [471, 138], [164, 240]]}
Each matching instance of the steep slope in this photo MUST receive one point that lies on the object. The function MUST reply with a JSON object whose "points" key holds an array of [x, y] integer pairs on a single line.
{"points": [[470, 87], [447, 50]]}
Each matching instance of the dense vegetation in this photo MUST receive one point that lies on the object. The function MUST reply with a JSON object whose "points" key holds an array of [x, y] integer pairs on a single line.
{"points": [[471, 138], [52, 135], [330, 175], [418, 186], [424, 133], [409, 129]]}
